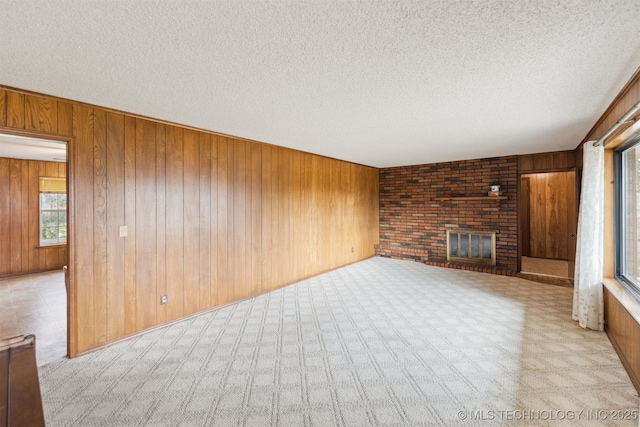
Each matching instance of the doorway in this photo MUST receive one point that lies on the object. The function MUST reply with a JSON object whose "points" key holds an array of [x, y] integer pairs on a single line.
{"points": [[548, 224], [33, 249]]}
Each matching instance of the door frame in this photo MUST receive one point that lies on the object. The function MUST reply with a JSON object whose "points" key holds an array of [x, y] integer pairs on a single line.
{"points": [[71, 299], [524, 222], [572, 207]]}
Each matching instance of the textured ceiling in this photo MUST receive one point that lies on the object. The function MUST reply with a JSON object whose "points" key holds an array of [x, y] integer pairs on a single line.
{"points": [[20, 147], [381, 83]]}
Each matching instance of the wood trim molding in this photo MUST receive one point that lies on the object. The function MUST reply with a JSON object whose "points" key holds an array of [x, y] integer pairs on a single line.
{"points": [[59, 245], [36, 134]]}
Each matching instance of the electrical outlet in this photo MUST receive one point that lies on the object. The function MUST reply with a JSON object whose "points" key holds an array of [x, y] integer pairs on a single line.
{"points": [[124, 231], [352, 249], [163, 299]]}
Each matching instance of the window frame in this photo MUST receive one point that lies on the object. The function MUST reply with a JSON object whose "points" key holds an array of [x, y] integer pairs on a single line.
{"points": [[632, 286], [57, 242]]}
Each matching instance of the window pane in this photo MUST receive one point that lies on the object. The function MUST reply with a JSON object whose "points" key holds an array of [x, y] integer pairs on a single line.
{"points": [[62, 217], [49, 233], [62, 201], [54, 201], [48, 201], [630, 243], [49, 219]]}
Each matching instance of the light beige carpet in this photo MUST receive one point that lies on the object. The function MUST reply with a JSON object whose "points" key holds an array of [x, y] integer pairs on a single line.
{"points": [[378, 343], [550, 267]]}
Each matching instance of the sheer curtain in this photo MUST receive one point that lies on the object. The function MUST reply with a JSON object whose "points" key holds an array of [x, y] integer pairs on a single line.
{"points": [[588, 307]]}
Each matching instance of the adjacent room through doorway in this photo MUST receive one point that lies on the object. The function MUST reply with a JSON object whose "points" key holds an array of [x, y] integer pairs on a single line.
{"points": [[548, 221], [33, 250]]}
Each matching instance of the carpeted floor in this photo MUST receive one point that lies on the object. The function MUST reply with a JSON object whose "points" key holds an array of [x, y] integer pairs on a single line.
{"points": [[380, 342], [36, 304]]}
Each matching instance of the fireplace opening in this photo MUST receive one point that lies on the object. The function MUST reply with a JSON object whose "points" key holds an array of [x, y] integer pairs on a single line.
{"points": [[469, 246]]}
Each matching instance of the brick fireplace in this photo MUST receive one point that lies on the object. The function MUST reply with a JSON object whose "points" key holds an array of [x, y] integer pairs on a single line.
{"points": [[419, 204]]}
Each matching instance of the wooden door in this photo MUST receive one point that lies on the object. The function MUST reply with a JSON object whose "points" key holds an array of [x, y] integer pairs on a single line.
{"points": [[550, 213]]}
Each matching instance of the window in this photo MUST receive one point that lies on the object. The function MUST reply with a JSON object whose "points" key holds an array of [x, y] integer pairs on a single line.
{"points": [[53, 211], [628, 215]]}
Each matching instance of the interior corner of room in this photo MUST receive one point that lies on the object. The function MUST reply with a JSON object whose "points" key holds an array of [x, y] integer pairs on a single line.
{"points": [[534, 222]]}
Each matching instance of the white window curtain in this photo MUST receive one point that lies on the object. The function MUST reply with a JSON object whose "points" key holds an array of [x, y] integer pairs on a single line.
{"points": [[588, 304]]}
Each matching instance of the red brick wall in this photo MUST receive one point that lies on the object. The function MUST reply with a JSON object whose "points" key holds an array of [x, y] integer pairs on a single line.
{"points": [[410, 218]]}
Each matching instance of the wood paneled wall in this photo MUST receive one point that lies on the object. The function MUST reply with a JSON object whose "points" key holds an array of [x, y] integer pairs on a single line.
{"points": [[549, 210], [210, 218], [20, 217], [624, 334], [547, 162]]}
